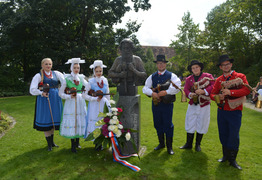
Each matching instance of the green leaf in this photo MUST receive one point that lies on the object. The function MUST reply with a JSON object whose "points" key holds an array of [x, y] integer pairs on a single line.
{"points": [[105, 109], [100, 122], [101, 114], [90, 137], [97, 132]]}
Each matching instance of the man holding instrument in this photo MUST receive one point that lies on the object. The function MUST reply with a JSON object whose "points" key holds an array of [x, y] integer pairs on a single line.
{"points": [[197, 88], [229, 92], [162, 112]]}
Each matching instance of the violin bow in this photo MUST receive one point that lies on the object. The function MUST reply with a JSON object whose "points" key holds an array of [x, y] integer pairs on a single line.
{"points": [[50, 111]]}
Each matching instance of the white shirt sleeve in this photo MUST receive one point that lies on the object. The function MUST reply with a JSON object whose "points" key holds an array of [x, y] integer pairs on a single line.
{"points": [[60, 76], [62, 93], [172, 90], [147, 88], [34, 85], [85, 94]]}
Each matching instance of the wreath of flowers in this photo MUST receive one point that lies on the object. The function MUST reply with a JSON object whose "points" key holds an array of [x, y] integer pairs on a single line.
{"points": [[110, 122]]}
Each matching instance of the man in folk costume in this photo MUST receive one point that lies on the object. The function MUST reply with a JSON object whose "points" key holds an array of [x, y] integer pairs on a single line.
{"points": [[73, 121], [162, 111], [96, 103], [229, 92], [197, 88]]}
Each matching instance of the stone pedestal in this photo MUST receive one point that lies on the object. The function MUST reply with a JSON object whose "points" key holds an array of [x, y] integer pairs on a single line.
{"points": [[130, 118]]}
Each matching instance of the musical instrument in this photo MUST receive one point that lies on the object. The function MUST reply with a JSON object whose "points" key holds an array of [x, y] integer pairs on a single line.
{"points": [[98, 93], [73, 91], [183, 95], [167, 98], [233, 102]]}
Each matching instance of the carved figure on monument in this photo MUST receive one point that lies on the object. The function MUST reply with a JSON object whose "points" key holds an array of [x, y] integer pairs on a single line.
{"points": [[127, 70]]}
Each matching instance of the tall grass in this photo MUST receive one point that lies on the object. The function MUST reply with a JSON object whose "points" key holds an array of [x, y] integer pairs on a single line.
{"points": [[24, 155]]}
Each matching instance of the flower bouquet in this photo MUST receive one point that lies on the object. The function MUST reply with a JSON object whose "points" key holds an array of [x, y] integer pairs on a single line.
{"points": [[111, 132]]}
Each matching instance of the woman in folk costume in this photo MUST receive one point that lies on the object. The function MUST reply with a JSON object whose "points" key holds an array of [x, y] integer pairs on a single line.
{"points": [[73, 121], [48, 106], [96, 104], [198, 87]]}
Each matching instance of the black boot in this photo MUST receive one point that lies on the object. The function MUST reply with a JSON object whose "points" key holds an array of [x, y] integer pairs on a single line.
{"points": [[52, 139], [73, 145], [189, 141], [232, 159], [77, 143], [225, 156], [169, 141], [161, 139], [49, 143], [198, 142]]}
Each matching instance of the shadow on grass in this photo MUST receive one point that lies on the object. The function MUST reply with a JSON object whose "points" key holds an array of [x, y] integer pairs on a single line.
{"points": [[224, 171]]}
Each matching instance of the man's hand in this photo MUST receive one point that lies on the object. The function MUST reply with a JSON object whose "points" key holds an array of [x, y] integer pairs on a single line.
{"points": [[226, 92], [162, 93], [221, 97], [155, 95], [131, 67], [123, 74], [192, 95], [200, 91]]}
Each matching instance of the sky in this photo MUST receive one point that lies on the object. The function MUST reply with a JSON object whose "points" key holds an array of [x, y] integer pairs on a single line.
{"points": [[160, 22]]}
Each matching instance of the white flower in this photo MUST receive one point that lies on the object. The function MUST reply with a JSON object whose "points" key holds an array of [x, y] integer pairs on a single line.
{"points": [[128, 136], [111, 127], [112, 101], [120, 126], [112, 121], [115, 113], [118, 133], [114, 109], [115, 117], [109, 114]]}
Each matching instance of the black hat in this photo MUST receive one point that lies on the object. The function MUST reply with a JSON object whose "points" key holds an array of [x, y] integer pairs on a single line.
{"points": [[224, 58], [161, 58], [195, 62]]}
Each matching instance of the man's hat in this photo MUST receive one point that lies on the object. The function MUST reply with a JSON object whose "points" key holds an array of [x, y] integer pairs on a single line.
{"points": [[195, 62], [224, 58], [161, 58]]}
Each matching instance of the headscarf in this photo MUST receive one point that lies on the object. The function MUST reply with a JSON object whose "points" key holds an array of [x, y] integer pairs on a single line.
{"points": [[74, 61], [96, 64]]}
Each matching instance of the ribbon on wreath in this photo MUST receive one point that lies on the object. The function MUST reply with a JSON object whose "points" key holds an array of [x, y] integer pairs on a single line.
{"points": [[117, 154]]}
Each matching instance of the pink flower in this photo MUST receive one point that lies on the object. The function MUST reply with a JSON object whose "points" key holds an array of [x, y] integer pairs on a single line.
{"points": [[105, 130], [119, 110], [106, 119]]}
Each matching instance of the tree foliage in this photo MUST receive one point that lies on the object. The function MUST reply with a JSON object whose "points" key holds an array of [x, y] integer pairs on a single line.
{"points": [[31, 30]]}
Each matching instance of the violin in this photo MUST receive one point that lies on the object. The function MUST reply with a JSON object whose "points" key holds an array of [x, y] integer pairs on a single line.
{"points": [[98, 93], [72, 91], [43, 87]]}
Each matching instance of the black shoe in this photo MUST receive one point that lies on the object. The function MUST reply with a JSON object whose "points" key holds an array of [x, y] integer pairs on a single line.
{"points": [[232, 159], [198, 142], [169, 141], [52, 139], [49, 143], [224, 158], [160, 146], [161, 139], [189, 141]]}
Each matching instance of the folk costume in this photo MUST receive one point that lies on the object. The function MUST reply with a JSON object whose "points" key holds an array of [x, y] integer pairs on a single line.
{"points": [[73, 122], [162, 112], [44, 119], [229, 111], [95, 107], [198, 111]]}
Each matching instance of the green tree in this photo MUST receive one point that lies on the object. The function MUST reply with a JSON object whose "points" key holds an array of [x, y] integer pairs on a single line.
{"points": [[33, 29], [186, 43]]}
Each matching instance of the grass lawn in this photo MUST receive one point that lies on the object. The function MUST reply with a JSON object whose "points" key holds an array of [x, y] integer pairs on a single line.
{"points": [[24, 155]]}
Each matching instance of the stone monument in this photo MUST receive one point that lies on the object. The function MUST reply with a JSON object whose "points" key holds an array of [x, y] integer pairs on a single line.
{"points": [[128, 72]]}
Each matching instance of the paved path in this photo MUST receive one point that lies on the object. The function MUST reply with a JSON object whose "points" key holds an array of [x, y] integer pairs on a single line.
{"points": [[250, 105]]}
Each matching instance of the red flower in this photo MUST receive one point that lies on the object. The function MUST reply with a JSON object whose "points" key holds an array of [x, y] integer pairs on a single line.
{"points": [[105, 130], [106, 119], [119, 110]]}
